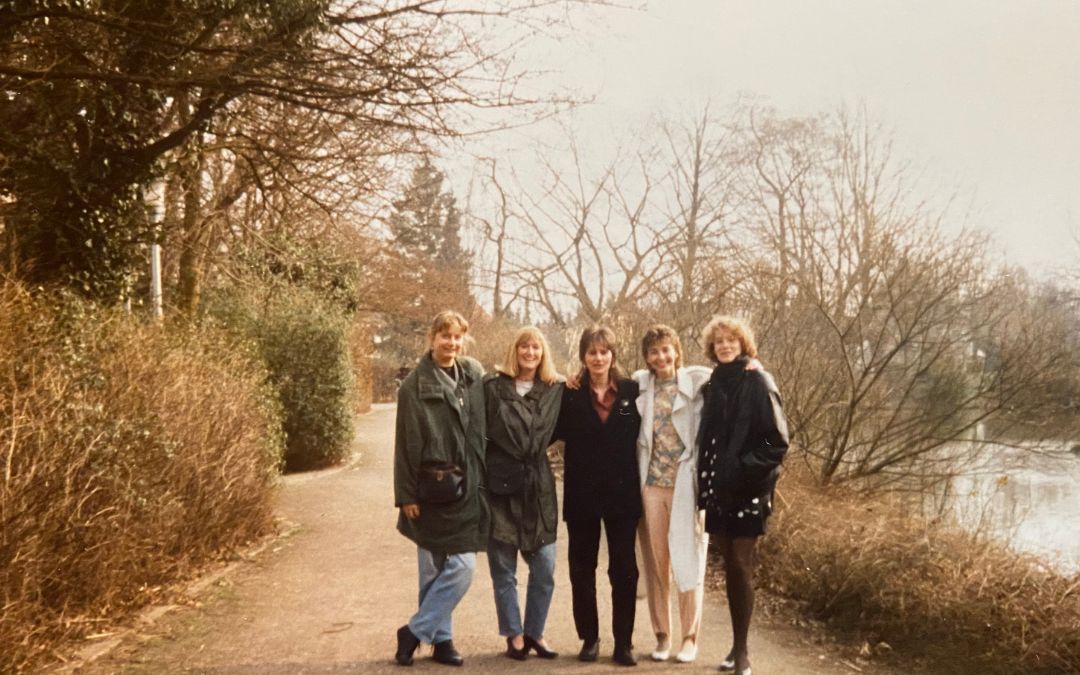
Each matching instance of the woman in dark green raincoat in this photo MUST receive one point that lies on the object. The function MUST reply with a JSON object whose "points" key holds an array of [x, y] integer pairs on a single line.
{"points": [[439, 482]]}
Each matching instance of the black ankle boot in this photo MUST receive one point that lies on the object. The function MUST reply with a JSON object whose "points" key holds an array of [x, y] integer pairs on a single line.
{"points": [[624, 656], [406, 645], [589, 650], [447, 654]]}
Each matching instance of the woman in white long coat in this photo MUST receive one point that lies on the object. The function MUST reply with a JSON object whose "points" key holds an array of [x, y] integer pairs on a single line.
{"points": [[672, 530]]}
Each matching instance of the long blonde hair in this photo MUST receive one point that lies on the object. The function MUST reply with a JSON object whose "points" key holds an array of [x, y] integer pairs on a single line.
{"points": [[545, 371]]}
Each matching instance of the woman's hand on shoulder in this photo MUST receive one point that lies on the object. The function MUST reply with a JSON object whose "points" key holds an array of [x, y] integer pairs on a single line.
{"points": [[573, 381]]}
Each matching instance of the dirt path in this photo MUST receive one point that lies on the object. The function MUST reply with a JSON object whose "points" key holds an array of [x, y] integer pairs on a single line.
{"points": [[327, 597]]}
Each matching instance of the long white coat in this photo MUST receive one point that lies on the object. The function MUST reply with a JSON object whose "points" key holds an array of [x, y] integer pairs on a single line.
{"points": [[687, 539]]}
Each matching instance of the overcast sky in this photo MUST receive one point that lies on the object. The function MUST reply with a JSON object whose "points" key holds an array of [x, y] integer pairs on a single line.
{"points": [[983, 95]]}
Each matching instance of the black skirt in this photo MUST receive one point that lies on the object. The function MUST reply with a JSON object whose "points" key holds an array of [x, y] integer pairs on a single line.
{"points": [[745, 518]]}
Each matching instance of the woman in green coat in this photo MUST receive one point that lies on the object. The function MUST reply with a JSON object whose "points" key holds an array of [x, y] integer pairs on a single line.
{"points": [[438, 482], [522, 408]]}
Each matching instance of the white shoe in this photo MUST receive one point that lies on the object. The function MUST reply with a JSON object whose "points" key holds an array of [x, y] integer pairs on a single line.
{"points": [[662, 651], [688, 653]]}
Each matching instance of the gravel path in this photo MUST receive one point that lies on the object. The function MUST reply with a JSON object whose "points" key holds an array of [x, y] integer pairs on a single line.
{"points": [[327, 596]]}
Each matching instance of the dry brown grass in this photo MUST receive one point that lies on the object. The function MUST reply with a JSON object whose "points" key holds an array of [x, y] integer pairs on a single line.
{"points": [[128, 454], [925, 588]]}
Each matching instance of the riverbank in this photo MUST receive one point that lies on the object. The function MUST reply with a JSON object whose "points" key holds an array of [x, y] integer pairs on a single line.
{"points": [[939, 597]]}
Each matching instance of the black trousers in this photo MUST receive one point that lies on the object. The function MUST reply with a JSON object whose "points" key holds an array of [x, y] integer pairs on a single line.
{"points": [[584, 548]]}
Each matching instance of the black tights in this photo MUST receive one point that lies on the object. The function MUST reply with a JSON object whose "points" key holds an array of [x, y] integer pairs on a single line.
{"points": [[739, 578]]}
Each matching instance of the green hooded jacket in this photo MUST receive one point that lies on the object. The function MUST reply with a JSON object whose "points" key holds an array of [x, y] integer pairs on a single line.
{"points": [[436, 423]]}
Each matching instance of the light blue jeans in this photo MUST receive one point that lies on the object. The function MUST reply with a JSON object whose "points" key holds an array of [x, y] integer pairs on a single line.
{"points": [[502, 560], [444, 579]]}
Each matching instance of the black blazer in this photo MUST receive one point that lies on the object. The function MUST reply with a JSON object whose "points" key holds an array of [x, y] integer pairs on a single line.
{"points": [[601, 468]]}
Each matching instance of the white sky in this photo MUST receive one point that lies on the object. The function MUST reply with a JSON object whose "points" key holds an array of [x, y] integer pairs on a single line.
{"points": [[982, 95]]}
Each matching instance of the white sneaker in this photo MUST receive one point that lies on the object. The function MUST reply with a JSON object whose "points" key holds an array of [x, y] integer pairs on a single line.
{"points": [[662, 651], [688, 654]]}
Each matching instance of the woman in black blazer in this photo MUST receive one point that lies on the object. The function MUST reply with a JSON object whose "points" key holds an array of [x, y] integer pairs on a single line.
{"points": [[599, 423]]}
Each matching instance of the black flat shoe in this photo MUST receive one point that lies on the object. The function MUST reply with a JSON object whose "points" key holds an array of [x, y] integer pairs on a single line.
{"points": [[406, 645], [624, 656], [515, 653], [446, 654], [541, 651], [590, 650]]}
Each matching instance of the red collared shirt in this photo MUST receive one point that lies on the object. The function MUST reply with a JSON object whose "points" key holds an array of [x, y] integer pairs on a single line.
{"points": [[602, 405]]}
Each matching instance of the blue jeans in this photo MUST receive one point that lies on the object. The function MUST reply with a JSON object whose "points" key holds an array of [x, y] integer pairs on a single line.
{"points": [[444, 579], [502, 560]]}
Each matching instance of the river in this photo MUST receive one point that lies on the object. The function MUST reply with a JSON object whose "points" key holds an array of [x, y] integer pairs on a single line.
{"points": [[1029, 500]]}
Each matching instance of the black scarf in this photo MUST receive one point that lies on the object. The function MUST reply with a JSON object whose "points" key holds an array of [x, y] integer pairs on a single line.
{"points": [[724, 382]]}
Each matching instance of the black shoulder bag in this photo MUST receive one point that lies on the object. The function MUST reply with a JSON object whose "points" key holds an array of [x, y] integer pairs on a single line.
{"points": [[440, 483]]}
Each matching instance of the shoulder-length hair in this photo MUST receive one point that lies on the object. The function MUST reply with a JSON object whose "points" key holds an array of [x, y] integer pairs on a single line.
{"points": [[734, 325], [604, 337], [545, 371], [656, 334], [445, 320]]}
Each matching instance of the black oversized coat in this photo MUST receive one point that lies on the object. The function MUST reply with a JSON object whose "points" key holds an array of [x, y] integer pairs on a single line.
{"points": [[601, 467], [742, 440], [519, 429]]}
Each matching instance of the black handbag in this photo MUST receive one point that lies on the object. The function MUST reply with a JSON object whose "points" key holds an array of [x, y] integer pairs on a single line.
{"points": [[505, 476], [440, 484]]}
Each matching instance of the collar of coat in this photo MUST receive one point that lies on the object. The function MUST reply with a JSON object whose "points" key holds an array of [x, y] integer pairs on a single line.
{"points": [[684, 383], [432, 386], [507, 390]]}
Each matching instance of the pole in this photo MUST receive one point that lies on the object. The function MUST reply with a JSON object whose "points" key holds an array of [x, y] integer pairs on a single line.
{"points": [[157, 214]]}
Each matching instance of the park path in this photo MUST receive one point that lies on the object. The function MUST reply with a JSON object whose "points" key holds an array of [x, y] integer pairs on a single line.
{"points": [[327, 596]]}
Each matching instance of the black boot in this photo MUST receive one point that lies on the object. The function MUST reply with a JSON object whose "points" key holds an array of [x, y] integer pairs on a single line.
{"points": [[624, 656], [406, 645], [445, 653], [589, 650]]}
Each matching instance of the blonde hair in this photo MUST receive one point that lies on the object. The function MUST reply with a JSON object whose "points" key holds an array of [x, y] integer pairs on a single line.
{"points": [[445, 320], [737, 327], [545, 371], [657, 334]]}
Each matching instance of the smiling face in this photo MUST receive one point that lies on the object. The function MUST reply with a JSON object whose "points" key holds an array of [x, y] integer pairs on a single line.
{"points": [[529, 354], [446, 345], [662, 358], [726, 346], [598, 360]]}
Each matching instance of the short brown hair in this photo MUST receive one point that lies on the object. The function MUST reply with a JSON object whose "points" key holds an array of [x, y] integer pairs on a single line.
{"points": [[605, 337], [446, 319], [734, 325], [657, 334]]}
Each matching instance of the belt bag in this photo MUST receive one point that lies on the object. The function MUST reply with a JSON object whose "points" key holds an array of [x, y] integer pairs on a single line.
{"points": [[505, 476], [440, 484]]}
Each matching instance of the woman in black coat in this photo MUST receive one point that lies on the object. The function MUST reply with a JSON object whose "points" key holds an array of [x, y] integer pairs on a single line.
{"points": [[523, 401], [742, 441], [599, 423]]}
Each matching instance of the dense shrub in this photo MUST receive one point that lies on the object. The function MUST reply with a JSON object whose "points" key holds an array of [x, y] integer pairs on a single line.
{"points": [[130, 453], [304, 343], [926, 588]]}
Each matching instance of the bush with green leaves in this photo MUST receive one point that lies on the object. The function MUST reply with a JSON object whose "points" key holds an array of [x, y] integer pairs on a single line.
{"points": [[303, 340]]}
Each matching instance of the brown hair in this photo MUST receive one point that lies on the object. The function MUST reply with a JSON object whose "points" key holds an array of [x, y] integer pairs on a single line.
{"points": [[605, 337], [545, 371], [737, 327], [657, 334], [444, 320]]}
